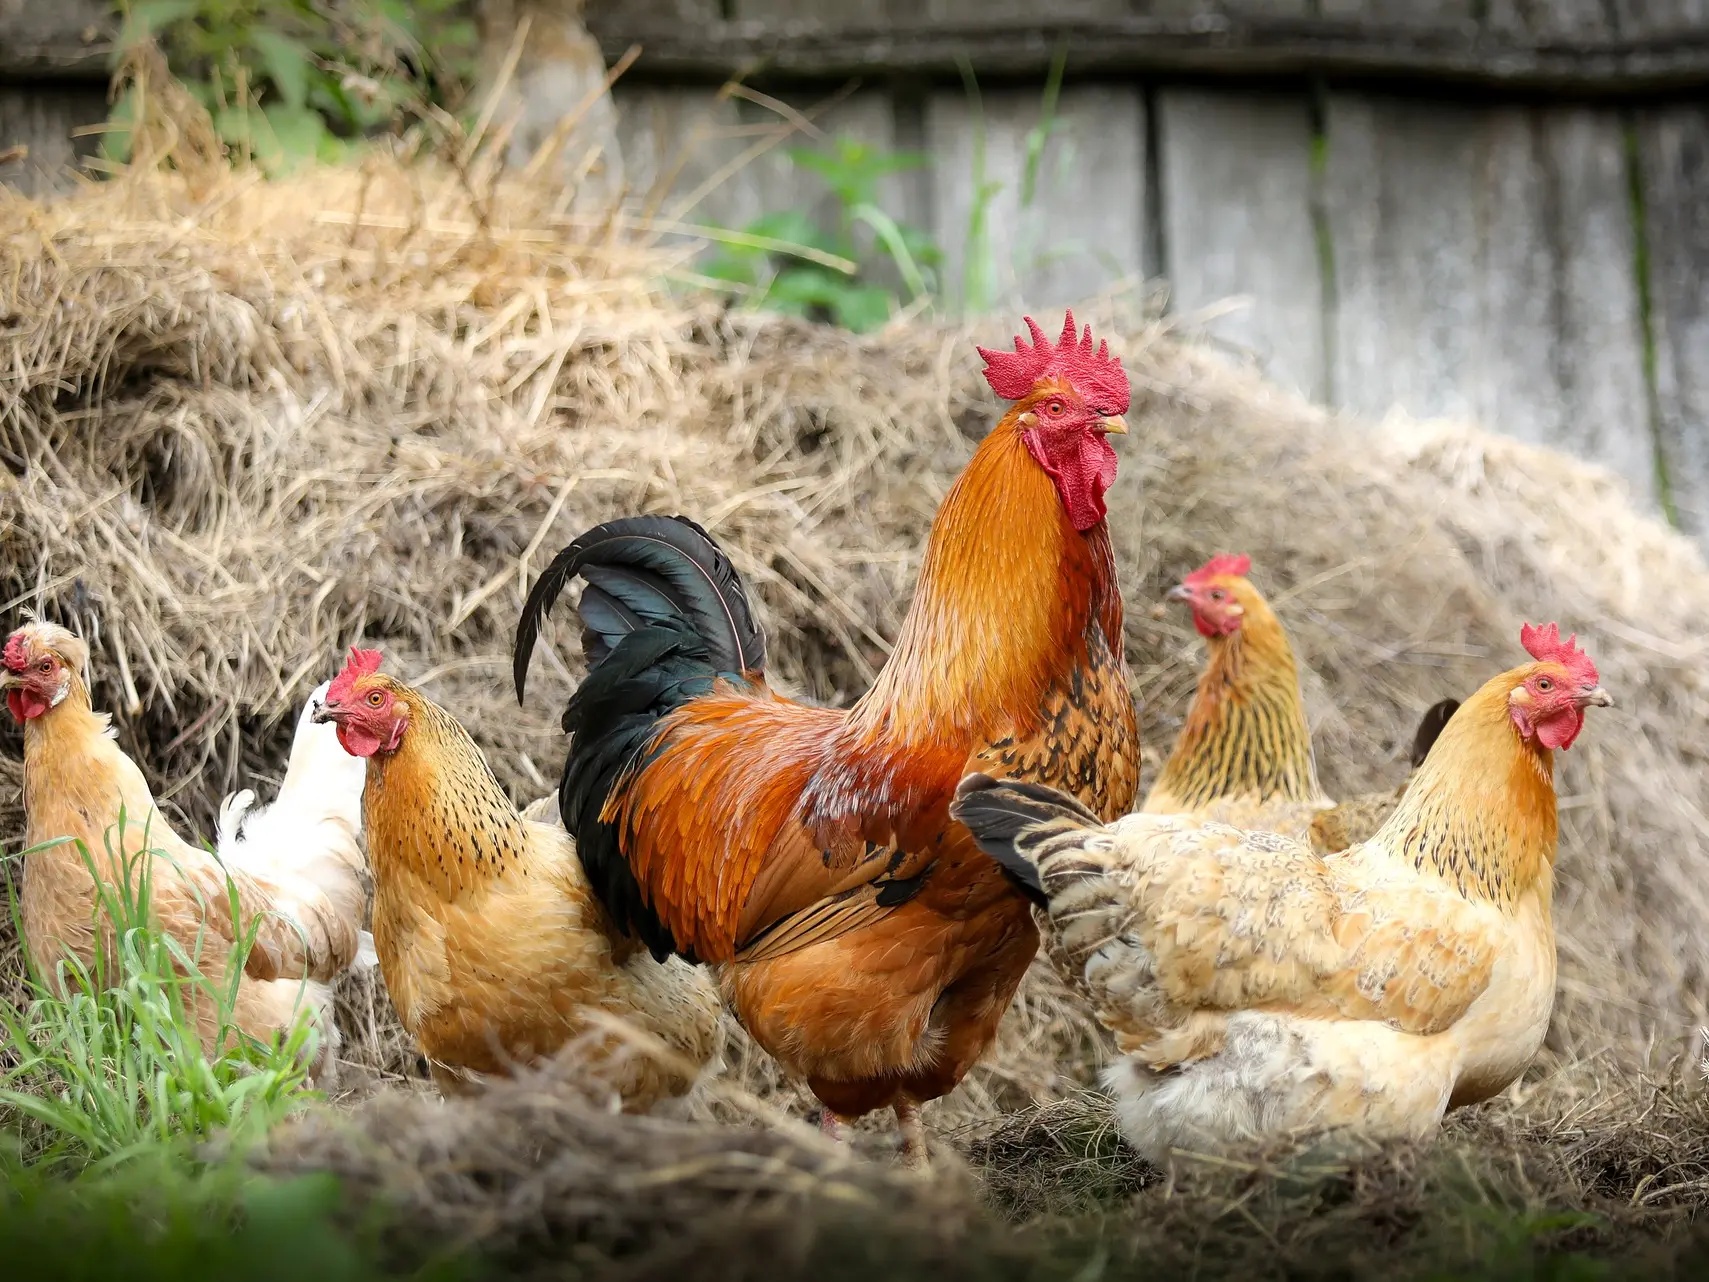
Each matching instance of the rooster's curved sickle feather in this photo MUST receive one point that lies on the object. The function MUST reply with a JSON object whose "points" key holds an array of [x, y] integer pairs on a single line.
{"points": [[641, 570]]}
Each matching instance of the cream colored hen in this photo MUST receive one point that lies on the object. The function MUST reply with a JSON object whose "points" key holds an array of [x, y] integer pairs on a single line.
{"points": [[295, 865], [1257, 989]]}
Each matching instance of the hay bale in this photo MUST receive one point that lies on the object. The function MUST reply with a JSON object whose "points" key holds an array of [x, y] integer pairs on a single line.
{"points": [[245, 424]]}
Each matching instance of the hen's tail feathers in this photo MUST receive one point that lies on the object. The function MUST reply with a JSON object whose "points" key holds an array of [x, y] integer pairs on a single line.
{"points": [[1430, 727], [1018, 824], [643, 570], [663, 616]]}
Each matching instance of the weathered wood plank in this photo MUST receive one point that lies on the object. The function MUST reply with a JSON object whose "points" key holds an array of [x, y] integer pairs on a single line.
{"points": [[1084, 226], [42, 118], [1659, 17], [1673, 146], [1367, 38], [1237, 194], [1552, 18], [62, 38], [676, 141], [597, 12], [677, 145], [1483, 263], [1417, 13]]}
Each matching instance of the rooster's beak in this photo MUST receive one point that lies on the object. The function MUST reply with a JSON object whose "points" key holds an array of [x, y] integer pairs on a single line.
{"points": [[1180, 592], [1114, 425], [1596, 697], [10, 680], [323, 713]]}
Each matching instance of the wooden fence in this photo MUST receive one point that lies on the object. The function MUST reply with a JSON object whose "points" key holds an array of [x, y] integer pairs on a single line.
{"points": [[1490, 208]]}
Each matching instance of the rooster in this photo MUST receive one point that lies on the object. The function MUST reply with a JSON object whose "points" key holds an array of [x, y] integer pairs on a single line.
{"points": [[1244, 755], [807, 853], [1257, 989], [295, 866], [493, 946]]}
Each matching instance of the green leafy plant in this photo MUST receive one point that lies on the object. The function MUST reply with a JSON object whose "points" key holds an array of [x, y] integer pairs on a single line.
{"points": [[787, 262], [290, 80], [105, 1060]]}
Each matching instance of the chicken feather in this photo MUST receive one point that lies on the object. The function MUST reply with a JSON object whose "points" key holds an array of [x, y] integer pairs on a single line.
{"points": [[293, 867], [1256, 988]]}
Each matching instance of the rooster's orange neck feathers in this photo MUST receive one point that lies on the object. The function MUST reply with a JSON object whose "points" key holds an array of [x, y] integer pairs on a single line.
{"points": [[1246, 733], [1007, 589], [1481, 810]]}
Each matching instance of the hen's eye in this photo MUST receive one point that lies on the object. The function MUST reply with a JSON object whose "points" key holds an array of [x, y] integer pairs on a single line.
{"points": [[375, 698], [1217, 594], [47, 665], [1544, 684], [1055, 409]]}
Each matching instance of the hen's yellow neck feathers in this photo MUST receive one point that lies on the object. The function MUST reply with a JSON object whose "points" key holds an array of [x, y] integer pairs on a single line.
{"points": [[1246, 733], [69, 722], [1006, 590], [1481, 810], [433, 808]]}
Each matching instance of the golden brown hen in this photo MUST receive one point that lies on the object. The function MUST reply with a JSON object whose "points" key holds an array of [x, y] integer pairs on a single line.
{"points": [[492, 943], [1244, 755]]}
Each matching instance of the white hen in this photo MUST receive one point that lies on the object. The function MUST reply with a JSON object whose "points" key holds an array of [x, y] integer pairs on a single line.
{"points": [[295, 867]]}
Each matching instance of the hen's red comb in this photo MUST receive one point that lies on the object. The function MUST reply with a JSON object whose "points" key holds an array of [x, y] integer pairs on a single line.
{"points": [[362, 663], [1221, 563], [1096, 375], [15, 656], [1544, 644]]}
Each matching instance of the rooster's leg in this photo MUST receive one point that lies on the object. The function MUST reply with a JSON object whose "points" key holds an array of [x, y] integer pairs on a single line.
{"points": [[913, 1134], [834, 1127]]}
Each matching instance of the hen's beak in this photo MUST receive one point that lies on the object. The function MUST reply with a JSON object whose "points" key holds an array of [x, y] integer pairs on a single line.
{"points": [[10, 680], [1180, 592], [1595, 697], [1114, 425], [325, 712]]}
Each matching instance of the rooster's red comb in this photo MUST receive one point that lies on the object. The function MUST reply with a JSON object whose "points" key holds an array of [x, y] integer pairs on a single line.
{"points": [[16, 655], [1221, 563], [1096, 375], [1544, 644], [362, 663]]}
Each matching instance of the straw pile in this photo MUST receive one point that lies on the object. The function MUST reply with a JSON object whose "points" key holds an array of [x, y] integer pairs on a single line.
{"points": [[244, 425]]}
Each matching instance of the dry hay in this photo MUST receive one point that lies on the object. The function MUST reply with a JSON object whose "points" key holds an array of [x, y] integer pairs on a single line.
{"points": [[246, 424]]}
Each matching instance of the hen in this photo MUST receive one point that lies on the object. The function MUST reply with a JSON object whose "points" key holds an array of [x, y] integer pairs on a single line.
{"points": [[492, 943], [1244, 755], [808, 853], [295, 866], [1358, 818], [1257, 989]]}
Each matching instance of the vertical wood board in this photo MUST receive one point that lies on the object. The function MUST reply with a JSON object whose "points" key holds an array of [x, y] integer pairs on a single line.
{"points": [[1659, 17], [1673, 145], [1237, 193], [42, 118], [1417, 13], [677, 140], [1583, 19], [1484, 268], [1084, 227]]}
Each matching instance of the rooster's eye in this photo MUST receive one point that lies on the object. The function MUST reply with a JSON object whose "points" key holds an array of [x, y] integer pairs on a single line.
{"points": [[375, 698], [47, 665], [1217, 594], [1544, 684], [1055, 409]]}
